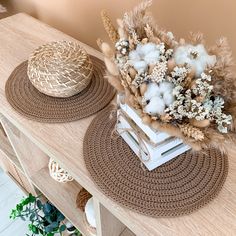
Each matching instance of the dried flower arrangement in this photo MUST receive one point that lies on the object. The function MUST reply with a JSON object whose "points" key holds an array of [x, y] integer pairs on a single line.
{"points": [[179, 87]]}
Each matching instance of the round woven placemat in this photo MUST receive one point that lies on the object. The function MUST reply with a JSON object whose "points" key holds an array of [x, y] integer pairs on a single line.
{"points": [[178, 187], [28, 101]]}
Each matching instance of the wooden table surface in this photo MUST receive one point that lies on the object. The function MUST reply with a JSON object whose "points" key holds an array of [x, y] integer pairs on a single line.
{"points": [[19, 36]]}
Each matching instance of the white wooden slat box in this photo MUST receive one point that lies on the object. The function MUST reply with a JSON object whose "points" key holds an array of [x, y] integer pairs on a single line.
{"points": [[162, 147]]}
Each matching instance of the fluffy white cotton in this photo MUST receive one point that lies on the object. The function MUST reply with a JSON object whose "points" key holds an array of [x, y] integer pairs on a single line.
{"points": [[158, 97], [152, 91], [195, 56], [144, 55], [155, 106], [90, 213]]}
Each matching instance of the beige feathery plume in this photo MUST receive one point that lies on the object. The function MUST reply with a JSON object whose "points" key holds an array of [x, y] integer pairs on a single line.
{"points": [[115, 82], [196, 38], [109, 27], [191, 132], [137, 19], [223, 71]]}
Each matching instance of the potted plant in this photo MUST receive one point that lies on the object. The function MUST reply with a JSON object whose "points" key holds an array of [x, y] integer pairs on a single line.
{"points": [[45, 219]]}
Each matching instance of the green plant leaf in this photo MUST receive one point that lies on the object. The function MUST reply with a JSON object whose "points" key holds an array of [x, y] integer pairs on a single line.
{"points": [[62, 228], [32, 216], [47, 208], [60, 216], [39, 204]]}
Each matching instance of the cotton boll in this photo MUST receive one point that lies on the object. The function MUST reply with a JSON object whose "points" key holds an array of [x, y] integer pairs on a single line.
{"points": [[156, 106], [168, 98], [165, 87], [134, 55], [140, 66], [147, 48], [90, 213], [152, 91], [195, 56], [152, 57], [144, 55]]}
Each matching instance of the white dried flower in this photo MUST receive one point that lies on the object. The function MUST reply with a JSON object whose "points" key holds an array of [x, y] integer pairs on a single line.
{"points": [[194, 56]]}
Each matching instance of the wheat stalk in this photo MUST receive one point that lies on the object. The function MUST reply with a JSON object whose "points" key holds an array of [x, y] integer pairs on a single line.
{"points": [[191, 132], [109, 27]]}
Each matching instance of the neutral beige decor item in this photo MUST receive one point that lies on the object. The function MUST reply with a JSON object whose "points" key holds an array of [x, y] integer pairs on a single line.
{"points": [[60, 69], [178, 187], [34, 105], [58, 173]]}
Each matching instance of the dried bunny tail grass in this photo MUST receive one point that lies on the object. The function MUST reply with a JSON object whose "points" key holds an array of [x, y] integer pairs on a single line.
{"points": [[191, 132], [137, 19], [105, 48], [115, 81], [111, 66], [196, 38], [109, 27], [121, 30], [223, 71]]}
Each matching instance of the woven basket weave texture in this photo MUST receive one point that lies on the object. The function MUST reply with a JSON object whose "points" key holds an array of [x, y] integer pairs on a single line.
{"points": [[60, 69]]}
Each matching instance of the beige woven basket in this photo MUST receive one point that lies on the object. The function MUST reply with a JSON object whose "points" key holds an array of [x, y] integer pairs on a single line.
{"points": [[60, 69]]}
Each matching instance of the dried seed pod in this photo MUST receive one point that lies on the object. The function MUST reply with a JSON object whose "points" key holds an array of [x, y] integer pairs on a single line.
{"points": [[200, 98], [146, 119], [155, 125], [139, 112], [200, 123], [132, 72], [171, 64], [144, 40], [133, 89], [106, 49], [193, 84], [128, 79], [150, 68], [139, 99], [192, 73], [187, 82], [166, 118], [143, 88], [182, 41]]}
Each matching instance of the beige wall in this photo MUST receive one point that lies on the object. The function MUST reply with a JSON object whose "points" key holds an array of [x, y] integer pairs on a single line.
{"points": [[81, 18]]}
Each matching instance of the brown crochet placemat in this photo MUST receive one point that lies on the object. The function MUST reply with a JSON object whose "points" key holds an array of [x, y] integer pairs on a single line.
{"points": [[29, 102], [178, 187]]}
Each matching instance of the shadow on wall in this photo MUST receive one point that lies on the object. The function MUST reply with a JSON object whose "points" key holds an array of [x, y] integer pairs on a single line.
{"points": [[81, 18]]}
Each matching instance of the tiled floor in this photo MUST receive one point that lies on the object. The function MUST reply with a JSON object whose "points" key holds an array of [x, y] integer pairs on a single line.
{"points": [[10, 195]]}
